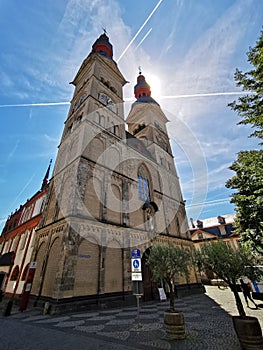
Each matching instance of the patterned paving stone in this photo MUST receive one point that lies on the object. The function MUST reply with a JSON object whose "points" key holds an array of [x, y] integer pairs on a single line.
{"points": [[130, 309], [158, 344], [88, 315], [191, 314], [127, 321], [102, 318], [70, 324], [127, 314], [149, 306], [116, 335], [109, 312], [152, 310], [34, 318], [54, 319], [146, 327], [149, 317], [90, 329], [208, 327]]}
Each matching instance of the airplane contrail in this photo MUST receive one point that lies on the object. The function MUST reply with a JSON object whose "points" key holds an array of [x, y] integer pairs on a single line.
{"points": [[209, 203], [138, 32], [205, 94], [131, 99], [23, 189], [36, 104], [210, 94], [145, 36]]}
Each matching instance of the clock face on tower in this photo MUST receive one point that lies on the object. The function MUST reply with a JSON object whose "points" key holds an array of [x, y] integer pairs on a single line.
{"points": [[79, 102], [107, 101]]}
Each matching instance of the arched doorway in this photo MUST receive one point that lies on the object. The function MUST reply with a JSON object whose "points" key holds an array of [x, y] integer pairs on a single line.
{"points": [[150, 288]]}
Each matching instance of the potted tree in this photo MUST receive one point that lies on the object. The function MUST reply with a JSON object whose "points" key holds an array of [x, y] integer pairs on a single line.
{"points": [[230, 264], [167, 262]]}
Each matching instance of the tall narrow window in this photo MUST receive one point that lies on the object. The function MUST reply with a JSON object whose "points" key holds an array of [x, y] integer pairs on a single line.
{"points": [[15, 273], [143, 185]]}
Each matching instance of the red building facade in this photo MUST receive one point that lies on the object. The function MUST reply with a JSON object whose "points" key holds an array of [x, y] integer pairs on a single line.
{"points": [[17, 242]]}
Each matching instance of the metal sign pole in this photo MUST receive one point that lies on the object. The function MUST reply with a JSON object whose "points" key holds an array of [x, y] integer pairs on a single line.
{"points": [[138, 306], [136, 276]]}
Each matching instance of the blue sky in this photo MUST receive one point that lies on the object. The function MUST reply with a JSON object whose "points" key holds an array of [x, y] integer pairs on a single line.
{"points": [[188, 51]]}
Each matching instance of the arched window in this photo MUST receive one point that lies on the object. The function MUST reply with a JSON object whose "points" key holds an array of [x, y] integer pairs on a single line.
{"points": [[23, 240], [25, 272], [143, 185], [15, 273]]}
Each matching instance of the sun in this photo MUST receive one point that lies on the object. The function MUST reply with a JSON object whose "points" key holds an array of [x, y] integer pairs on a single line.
{"points": [[155, 85]]}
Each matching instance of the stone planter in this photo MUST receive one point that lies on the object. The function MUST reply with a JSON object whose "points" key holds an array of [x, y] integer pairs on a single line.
{"points": [[174, 324], [249, 332]]}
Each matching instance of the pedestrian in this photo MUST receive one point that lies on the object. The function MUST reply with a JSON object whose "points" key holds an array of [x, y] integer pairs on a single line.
{"points": [[246, 292]]}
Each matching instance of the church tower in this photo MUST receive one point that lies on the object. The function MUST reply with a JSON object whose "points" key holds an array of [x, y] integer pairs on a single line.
{"points": [[147, 122], [112, 190]]}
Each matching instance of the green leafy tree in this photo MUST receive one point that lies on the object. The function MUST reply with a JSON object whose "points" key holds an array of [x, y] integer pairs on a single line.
{"points": [[248, 198], [248, 181], [250, 106], [229, 264], [167, 263]]}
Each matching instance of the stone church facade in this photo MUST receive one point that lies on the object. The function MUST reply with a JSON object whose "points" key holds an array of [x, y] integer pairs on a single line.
{"points": [[111, 190]]}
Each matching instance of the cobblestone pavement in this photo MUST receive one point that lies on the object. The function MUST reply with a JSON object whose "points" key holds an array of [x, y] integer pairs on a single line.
{"points": [[225, 298], [208, 326]]}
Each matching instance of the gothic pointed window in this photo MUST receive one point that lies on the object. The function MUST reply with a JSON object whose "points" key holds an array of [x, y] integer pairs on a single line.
{"points": [[15, 273], [143, 185]]}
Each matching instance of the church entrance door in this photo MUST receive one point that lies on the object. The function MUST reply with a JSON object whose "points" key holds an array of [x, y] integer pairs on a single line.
{"points": [[149, 286]]}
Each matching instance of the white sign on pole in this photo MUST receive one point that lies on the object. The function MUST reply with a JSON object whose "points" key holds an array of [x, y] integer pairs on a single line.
{"points": [[136, 276], [136, 265]]}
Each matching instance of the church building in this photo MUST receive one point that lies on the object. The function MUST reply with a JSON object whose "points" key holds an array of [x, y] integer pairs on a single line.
{"points": [[114, 188]]}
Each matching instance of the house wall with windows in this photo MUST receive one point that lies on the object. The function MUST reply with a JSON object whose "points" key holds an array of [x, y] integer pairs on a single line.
{"points": [[16, 244], [211, 229]]}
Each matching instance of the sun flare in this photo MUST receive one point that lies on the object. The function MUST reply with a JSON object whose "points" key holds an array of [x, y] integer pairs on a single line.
{"points": [[155, 85]]}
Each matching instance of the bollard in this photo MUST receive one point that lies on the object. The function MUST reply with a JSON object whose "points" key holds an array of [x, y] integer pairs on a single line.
{"points": [[8, 309], [46, 308]]}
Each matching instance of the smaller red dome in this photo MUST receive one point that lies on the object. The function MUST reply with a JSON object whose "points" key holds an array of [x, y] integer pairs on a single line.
{"points": [[142, 89]]}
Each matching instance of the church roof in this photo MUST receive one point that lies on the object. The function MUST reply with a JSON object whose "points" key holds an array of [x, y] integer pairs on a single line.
{"points": [[103, 46], [145, 99], [215, 231]]}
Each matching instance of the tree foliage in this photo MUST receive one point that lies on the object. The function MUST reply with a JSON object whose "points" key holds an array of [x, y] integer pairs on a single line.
{"points": [[250, 106], [229, 264], [248, 198], [248, 181], [167, 263]]}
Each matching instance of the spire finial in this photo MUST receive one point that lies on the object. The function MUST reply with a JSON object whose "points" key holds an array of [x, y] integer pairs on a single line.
{"points": [[104, 30], [45, 180], [140, 70]]}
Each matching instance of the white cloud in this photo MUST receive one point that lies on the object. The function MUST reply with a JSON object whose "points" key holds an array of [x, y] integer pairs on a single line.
{"points": [[205, 68], [6, 81], [51, 139]]}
